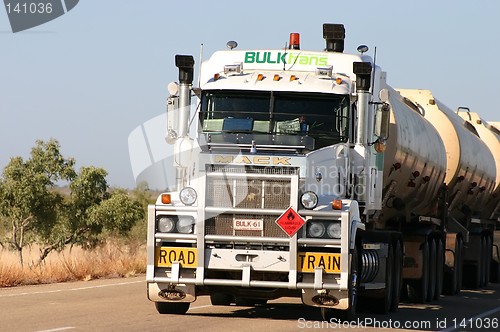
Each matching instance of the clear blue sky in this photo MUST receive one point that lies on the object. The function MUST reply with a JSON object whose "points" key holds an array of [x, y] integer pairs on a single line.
{"points": [[89, 77]]}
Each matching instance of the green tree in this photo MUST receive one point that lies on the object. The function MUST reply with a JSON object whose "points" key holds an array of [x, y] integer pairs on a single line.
{"points": [[28, 201]]}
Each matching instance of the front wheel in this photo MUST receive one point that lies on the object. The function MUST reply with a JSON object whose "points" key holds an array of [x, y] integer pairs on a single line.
{"points": [[350, 313], [173, 308]]}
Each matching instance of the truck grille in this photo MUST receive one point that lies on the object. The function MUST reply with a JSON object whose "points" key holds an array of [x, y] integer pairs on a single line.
{"points": [[228, 187]]}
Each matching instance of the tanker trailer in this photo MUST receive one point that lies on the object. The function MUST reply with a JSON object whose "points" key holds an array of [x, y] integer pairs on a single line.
{"points": [[490, 135], [469, 185]]}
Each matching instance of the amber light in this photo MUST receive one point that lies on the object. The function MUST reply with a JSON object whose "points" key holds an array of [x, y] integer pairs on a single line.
{"points": [[337, 204], [338, 80], [260, 77], [216, 76], [276, 77], [293, 78], [294, 41], [166, 199]]}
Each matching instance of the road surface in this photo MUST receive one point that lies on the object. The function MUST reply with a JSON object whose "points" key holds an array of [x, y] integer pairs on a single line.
{"points": [[122, 305]]}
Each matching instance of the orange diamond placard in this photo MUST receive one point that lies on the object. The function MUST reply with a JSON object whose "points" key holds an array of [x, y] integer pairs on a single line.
{"points": [[290, 221]]}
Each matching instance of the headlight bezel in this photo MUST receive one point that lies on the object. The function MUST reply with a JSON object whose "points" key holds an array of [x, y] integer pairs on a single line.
{"points": [[188, 196], [309, 200]]}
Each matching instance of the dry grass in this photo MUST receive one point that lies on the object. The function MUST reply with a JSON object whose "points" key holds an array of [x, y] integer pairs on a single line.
{"points": [[112, 260]]}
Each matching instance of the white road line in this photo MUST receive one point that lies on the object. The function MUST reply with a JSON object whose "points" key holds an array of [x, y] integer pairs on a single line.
{"points": [[201, 307], [484, 314], [58, 329], [72, 289]]}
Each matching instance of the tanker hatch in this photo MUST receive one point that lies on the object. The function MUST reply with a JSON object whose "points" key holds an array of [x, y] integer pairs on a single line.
{"points": [[334, 34]]}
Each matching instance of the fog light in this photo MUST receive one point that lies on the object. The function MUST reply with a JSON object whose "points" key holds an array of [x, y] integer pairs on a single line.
{"points": [[165, 224], [185, 224], [334, 230], [316, 229]]}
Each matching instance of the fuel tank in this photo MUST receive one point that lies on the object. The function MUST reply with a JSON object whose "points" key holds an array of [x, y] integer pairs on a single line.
{"points": [[470, 166], [490, 135], [414, 162]]}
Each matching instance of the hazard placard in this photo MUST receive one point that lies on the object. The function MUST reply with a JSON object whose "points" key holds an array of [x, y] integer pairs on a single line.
{"points": [[290, 221]]}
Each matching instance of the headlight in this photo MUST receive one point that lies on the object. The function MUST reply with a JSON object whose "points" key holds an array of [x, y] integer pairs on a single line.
{"points": [[309, 200], [316, 229], [188, 196], [165, 224], [334, 230], [185, 224]]}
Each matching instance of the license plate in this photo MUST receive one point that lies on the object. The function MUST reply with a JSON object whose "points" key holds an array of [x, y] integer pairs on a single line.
{"points": [[307, 261], [165, 256], [248, 224]]}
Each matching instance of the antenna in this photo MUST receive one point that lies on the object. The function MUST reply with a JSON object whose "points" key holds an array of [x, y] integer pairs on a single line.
{"points": [[199, 66], [374, 67]]}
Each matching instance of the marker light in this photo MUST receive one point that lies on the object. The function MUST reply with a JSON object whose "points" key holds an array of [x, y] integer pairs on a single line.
{"points": [[294, 41], [216, 76], [293, 78], [309, 200], [276, 77], [337, 204], [260, 77], [166, 199], [338, 80], [188, 196]]}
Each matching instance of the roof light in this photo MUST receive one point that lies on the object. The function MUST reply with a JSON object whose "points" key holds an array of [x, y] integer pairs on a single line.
{"points": [[293, 78], [260, 77], [294, 41], [338, 80], [324, 71], [237, 68], [276, 77]]}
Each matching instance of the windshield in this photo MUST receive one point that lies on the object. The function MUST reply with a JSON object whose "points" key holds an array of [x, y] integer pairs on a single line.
{"points": [[324, 117]]}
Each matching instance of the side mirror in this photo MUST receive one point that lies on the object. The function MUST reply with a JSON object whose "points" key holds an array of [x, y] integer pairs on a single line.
{"points": [[382, 117]]}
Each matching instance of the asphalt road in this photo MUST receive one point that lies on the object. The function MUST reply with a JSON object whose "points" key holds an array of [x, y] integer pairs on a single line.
{"points": [[122, 305]]}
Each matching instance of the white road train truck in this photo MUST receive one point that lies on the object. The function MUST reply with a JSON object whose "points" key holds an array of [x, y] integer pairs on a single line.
{"points": [[308, 176]]}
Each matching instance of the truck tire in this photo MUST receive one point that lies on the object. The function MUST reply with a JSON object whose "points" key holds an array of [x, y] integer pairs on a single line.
{"points": [[172, 308], [383, 305], [221, 299], [418, 288], [349, 314], [431, 289], [397, 276], [453, 278], [439, 268]]}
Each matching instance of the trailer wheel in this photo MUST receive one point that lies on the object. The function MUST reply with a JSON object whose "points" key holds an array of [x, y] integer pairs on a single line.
{"points": [[397, 279], [179, 308], [431, 289], [221, 299], [349, 314], [439, 268], [418, 289]]}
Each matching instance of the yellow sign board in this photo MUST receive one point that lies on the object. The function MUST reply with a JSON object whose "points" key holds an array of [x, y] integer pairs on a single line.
{"points": [[165, 256], [308, 261]]}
